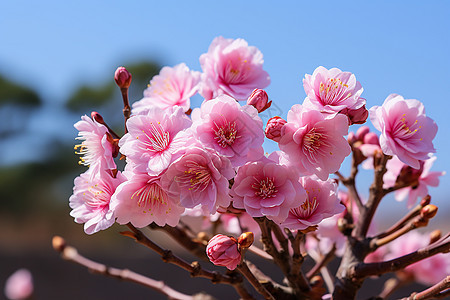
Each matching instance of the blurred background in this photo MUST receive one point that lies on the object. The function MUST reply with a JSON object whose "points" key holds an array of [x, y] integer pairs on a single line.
{"points": [[57, 61]]}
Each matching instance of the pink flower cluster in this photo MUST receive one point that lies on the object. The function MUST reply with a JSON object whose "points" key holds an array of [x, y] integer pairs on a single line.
{"points": [[209, 161]]}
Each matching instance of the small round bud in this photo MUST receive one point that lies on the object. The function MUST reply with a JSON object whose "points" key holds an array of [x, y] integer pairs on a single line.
{"points": [[273, 128], [122, 77], [435, 236], [428, 211], [371, 138], [361, 133], [357, 116], [58, 243], [259, 100], [97, 117], [245, 240]]}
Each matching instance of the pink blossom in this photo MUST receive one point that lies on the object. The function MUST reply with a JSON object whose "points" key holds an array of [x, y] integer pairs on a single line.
{"points": [[259, 100], [423, 175], [91, 197], [19, 286], [200, 177], [265, 188], [314, 144], [141, 200], [232, 130], [273, 128], [96, 147], [321, 202], [223, 251], [154, 139], [428, 271], [233, 68], [332, 91], [173, 86], [405, 129]]}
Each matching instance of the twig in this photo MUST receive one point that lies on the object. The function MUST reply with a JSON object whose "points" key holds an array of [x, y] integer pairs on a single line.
{"points": [[260, 252], [167, 256], [363, 270], [323, 261], [439, 290], [179, 235], [245, 271], [71, 254], [411, 214], [391, 285]]}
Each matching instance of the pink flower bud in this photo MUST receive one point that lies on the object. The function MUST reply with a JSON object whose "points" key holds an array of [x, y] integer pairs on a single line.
{"points": [[19, 285], [361, 133], [122, 77], [371, 138], [356, 116], [273, 128], [223, 250], [259, 100]]}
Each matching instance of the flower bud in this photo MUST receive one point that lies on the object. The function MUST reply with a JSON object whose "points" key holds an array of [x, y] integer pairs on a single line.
{"points": [[356, 116], [245, 240], [371, 138], [361, 133], [97, 117], [223, 250], [19, 285], [428, 211], [122, 77], [273, 128], [259, 100], [435, 236]]}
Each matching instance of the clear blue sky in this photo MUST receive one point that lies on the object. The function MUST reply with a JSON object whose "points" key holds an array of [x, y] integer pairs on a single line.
{"points": [[392, 46]]}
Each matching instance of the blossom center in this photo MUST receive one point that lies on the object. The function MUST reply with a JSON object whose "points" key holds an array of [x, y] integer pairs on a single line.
{"points": [[99, 196], [406, 129], [314, 140], [307, 208], [333, 91], [265, 188], [226, 134], [150, 195], [196, 176], [157, 139]]}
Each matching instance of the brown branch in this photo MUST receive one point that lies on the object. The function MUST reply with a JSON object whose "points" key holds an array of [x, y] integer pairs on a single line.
{"points": [[363, 270], [167, 256], [411, 214], [439, 290], [324, 260], [375, 196], [71, 254], [245, 271], [180, 235], [126, 106]]}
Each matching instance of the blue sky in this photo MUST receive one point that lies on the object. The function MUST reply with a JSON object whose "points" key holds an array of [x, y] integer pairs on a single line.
{"points": [[391, 46]]}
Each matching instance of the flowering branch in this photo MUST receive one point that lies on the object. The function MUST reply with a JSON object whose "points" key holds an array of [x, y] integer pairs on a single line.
{"points": [[245, 271], [321, 263], [364, 270], [411, 214], [70, 253], [437, 291]]}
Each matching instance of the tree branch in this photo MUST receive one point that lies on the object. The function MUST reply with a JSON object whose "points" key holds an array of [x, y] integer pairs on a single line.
{"points": [[71, 254], [439, 290]]}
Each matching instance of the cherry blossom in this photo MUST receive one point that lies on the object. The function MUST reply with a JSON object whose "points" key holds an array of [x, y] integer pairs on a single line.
{"points": [[141, 200], [200, 177], [233, 68], [333, 91], [154, 139], [173, 86], [91, 198], [19, 286], [321, 202], [314, 144], [232, 130], [405, 129], [265, 188]]}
